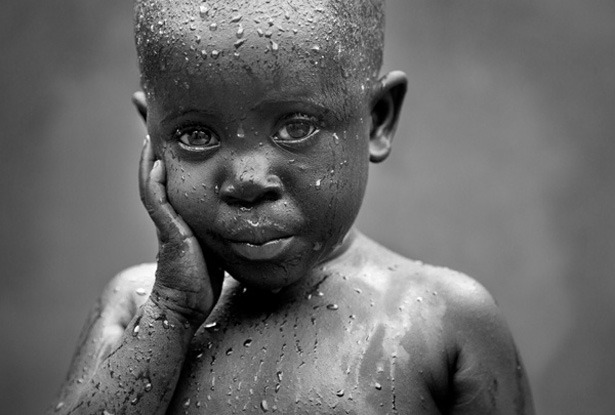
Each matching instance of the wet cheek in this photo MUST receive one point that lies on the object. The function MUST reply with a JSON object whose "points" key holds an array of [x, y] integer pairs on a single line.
{"points": [[191, 195]]}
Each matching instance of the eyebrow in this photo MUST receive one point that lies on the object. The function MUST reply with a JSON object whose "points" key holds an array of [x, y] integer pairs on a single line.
{"points": [[268, 103], [177, 114]]}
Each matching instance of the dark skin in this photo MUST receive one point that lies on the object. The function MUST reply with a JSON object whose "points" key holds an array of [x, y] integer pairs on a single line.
{"points": [[261, 174]]}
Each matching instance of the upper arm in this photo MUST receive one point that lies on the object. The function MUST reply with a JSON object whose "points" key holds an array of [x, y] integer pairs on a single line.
{"points": [[487, 375], [105, 324]]}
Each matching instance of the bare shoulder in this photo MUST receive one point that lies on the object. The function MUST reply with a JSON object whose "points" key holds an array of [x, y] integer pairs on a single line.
{"points": [[454, 326], [126, 291]]}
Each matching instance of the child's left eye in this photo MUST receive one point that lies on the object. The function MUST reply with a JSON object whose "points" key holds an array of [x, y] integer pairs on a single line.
{"points": [[296, 129]]}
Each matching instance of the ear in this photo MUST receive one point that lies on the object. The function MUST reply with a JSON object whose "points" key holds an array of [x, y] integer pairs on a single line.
{"points": [[386, 106], [138, 98]]}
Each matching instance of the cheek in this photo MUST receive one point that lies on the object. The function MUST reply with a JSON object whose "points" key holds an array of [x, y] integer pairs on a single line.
{"points": [[332, 188], [190, 195]]}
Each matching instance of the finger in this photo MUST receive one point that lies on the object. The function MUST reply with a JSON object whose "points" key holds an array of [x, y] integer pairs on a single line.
{"points": [[171, 227], [145, 166]]}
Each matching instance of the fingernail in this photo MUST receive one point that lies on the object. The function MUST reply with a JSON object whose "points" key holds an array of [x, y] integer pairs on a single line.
{"points": [[156, 164]]}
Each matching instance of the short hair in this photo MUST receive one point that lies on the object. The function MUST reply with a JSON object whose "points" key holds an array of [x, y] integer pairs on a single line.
{"points": [[355, 28]]}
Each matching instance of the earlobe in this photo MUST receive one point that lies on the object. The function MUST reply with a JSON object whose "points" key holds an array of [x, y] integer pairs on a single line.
{"points": [[386, 107], [138, 99]]}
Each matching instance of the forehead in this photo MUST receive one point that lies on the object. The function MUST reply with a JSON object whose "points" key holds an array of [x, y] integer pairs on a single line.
{"points": [[279, 43]]}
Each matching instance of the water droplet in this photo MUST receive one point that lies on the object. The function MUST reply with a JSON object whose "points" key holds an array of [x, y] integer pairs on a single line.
{"points": [[378, 386], [358, 290], [247, 343], [135, 331], [215, 54], [229, 351], [148, 387], [235, 19], [239, 33], [239, 42], [59, 406], [340, 393], [213, 26], [213, 324], [316, 48], [259, 31], [318, 183], [192, 26], [141, 291], [419, 299], [187, 403], [274, 46], [332, 307], [240, 132], [203, 10], [264, 405], [165, 323]]}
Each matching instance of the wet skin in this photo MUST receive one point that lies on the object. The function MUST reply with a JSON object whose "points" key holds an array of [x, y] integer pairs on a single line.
{"points": [[269, 173], [257, 166], [377, 334]]}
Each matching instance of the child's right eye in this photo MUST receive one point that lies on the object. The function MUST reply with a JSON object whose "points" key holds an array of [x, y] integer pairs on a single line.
{"points": [[197, 139]]}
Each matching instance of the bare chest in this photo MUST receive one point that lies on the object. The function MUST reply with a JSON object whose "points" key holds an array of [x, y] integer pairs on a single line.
{"points": [[319, 358]]}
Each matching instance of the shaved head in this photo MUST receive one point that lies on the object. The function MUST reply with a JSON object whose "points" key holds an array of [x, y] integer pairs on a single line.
{"points": [[259, 35]]}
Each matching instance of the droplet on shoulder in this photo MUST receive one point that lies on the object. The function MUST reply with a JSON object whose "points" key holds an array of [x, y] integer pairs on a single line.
{"points": [[332, 307], [264, 405], [340, 393], [378, 386]]}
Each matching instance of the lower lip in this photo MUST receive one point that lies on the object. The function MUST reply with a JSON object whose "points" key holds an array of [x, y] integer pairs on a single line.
{"points": [[267, 251]]}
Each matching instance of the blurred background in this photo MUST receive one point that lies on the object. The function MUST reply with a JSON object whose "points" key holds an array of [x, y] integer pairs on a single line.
{"points": [[503, 168]]}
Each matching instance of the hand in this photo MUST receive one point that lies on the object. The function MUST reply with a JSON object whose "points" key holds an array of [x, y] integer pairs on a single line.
{"points": [[184, 283]]}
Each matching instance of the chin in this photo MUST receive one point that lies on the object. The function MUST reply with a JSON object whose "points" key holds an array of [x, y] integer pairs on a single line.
{"points": [[265, 275]]}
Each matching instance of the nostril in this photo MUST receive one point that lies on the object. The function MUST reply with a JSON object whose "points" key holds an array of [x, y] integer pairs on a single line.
{"points": [[249, 193]]}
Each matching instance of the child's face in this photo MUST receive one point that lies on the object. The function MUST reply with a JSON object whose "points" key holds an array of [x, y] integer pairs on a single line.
{"points": [[266, 152]]}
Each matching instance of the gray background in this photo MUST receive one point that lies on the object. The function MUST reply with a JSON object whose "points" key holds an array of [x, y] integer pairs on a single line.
{"points": [[503, 168]]}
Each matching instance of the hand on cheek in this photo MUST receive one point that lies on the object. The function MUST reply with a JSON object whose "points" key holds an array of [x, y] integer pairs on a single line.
{"points": [[185, 284]]}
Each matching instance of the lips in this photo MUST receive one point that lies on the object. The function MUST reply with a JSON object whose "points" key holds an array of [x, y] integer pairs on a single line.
{"points": [[261, 251]]}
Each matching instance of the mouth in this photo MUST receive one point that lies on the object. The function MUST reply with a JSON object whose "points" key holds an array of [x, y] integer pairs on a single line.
{"points": [[261, 251]]}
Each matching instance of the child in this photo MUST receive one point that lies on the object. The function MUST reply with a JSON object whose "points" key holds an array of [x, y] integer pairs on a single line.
{"points": [[263, 117]]}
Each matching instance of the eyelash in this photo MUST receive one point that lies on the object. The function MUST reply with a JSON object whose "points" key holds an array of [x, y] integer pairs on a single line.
{"points": [[211, 135], [311, 122]]}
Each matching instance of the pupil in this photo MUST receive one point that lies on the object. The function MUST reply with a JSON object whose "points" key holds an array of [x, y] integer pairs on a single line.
{"points": [[199, 137], [298, 129]]}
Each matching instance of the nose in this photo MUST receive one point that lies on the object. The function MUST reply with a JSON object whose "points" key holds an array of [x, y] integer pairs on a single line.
{"points": [[250, 181]]}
